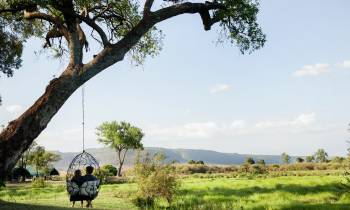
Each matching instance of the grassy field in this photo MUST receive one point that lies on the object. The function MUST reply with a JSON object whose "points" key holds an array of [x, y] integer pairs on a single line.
{"points": [[291, 192]]}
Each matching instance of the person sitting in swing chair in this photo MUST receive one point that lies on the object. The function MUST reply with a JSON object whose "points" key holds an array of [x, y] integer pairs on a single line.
{"points": [[77, 179], [86, 187], [89, 185]]}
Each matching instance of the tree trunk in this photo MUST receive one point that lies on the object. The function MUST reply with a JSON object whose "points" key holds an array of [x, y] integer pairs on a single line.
{"points": [[20, 133], [121, 161], [120, 170], [119, 174]]}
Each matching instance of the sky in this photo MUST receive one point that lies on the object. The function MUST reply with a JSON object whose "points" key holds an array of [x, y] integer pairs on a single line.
{"points": [[291, 96]]}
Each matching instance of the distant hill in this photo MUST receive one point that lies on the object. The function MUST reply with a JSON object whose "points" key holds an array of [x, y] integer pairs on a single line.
{"points": [[108, 156]]}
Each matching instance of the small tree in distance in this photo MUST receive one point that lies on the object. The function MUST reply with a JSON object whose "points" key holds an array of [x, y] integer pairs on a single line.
{"points": [[310, 159], [121, 137], [299, 160], [24, 160], [261, 162], [321, 156], [249, 160], [285, 158], [41, 159]]}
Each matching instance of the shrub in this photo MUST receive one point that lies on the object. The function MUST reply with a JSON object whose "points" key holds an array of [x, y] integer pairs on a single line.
{"points": [[249, 160], [299, 160], [154, 179], [261, 162], [201, 162], [245, 168], [258, 169], [105, 172], [191, 162], [38, 182], [110, 170]]}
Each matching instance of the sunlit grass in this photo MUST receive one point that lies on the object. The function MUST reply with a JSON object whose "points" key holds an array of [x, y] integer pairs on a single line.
{"points": [[307, 192]]}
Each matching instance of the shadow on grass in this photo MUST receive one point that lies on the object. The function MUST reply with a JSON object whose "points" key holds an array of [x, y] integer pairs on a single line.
{"points": [[20, 206], [247, 191], [229, 196], [326, 206]]}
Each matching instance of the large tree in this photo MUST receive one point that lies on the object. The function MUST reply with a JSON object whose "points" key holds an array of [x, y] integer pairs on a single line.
{"points": [[122, 137], [119, 26]]}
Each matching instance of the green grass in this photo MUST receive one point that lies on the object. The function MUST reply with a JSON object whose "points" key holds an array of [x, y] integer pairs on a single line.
{"points": [[290, 192]]}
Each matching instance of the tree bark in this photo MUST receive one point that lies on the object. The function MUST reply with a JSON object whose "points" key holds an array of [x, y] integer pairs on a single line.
{"points": [[20, 133]]}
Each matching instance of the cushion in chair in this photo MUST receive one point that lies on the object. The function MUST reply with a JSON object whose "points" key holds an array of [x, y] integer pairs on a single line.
{"points": [[72, 188], [90, 188]]}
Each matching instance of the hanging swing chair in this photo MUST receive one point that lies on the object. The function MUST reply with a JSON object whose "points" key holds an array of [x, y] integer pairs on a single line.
{"points": [[83, 190]]}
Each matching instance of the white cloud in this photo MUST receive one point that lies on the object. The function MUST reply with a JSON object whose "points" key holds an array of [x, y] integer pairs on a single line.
{"points": [[212, 129], [344, 64], [312, 70], [220, 88], [304, 119], [14, 109], [238, 124], [300, 121]]}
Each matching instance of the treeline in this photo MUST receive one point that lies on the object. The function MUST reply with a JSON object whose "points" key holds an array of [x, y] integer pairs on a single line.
{"points": [[319, 161], [257, 168], [36, 158]]}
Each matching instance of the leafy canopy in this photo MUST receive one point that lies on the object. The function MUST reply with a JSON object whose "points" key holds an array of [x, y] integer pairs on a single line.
{"points": [[48, 19], [120, 136]]}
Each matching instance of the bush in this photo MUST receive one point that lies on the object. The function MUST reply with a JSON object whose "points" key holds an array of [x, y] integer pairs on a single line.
{"points": [[105, 172], [261, 162], [38, 182], [200, 162], [191, 162], [249, 160], [110, 169], [258, 169], [154, 179]]}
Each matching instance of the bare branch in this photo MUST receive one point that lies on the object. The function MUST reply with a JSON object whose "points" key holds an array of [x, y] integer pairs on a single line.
{"points": [[190, 8], [39, 15], [147, 7], [97, 28]]}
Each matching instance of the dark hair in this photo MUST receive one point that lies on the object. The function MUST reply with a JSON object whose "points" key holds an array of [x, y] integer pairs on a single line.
{"points": [[77, 173], [89, 169]]}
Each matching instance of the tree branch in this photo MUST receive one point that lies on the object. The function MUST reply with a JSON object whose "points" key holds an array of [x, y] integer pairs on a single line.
{"points": [[39, 15], [43, 16], [117, 51], [147, 7], [97, 28], [190, 8]]}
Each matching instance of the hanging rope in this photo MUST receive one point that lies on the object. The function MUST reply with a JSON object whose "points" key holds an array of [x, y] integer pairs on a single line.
{"points": [[83, 106]]}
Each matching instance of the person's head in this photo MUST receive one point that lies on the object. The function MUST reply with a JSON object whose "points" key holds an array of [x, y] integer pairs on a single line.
{"points": [[89, 170], [77, 173]]}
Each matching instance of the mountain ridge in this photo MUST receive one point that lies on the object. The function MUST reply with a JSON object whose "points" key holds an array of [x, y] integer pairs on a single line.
{"points": [[107, 155]]}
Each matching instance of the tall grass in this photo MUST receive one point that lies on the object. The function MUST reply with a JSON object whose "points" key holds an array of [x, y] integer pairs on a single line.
{"points": [[284, 192]]}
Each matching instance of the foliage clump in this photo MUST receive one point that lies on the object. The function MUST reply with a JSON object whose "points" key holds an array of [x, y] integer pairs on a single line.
{"points": [[199, 162], [39, 182], [155, 180], [105, 172]]}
